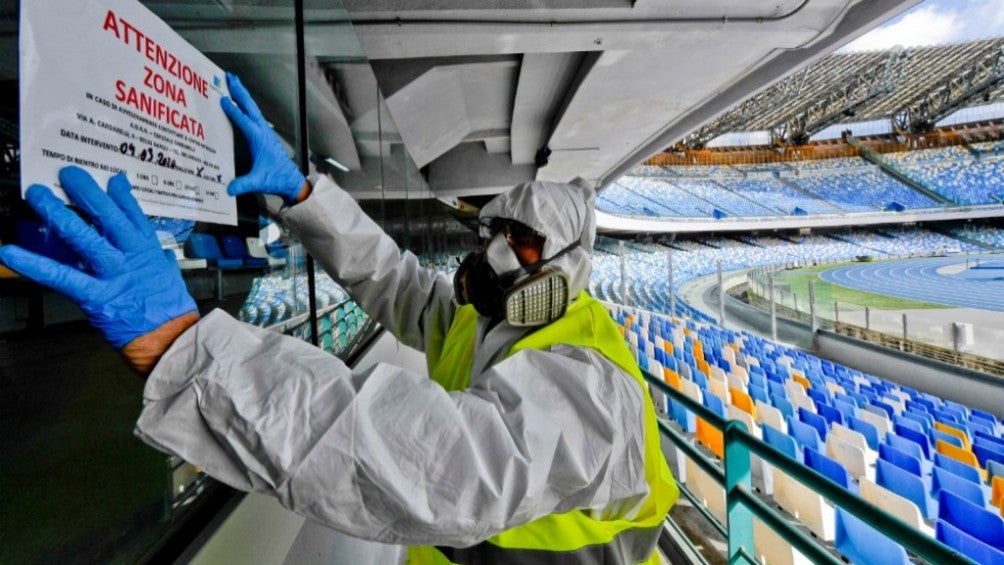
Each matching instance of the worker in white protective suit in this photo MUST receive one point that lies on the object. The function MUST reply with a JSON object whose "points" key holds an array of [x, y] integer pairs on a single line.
{"points": [[534, 440]]}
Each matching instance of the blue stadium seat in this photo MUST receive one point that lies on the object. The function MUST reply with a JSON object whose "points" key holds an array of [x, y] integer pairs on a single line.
{"points": [[846, 409], [780, 441], [925, 420], [817, 396], [204, 246], [876, 405], [946, 437], [916, 436], [814, 420], [986, 451], [968, 472], [902, 459], [979, 551], [943, 479], [783, 406], [907, 485], [972, 519], [869, 431], [863, 544], [904, 421], [830, 413], [233, 247], [805, 435], [829, 469], [989, 439]]}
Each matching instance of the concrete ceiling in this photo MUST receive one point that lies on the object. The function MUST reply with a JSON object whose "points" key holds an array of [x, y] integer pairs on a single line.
{"points": [[477, 92], [602, 85]]}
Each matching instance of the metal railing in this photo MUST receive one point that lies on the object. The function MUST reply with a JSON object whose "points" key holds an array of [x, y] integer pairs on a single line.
{"points": [[742, 505]]}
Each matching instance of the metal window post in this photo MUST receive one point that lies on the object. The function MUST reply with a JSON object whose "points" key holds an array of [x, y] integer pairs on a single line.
{"points": [[905, 334], [773, 308], [812, 308], [672, 288], [624, 297]]}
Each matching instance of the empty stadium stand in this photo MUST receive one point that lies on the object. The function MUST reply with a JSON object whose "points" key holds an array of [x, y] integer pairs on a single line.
{"points": [[874, 438]]}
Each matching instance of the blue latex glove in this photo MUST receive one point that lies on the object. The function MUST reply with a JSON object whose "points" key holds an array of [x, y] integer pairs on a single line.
{"points": [[272, 171], [134, 287]]}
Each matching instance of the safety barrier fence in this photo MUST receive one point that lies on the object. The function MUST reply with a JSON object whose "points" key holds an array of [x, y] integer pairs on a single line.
{"points": [[742, 504]]}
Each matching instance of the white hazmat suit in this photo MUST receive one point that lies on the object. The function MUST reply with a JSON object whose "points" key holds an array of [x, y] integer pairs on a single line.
{"points": [[388, 455]]}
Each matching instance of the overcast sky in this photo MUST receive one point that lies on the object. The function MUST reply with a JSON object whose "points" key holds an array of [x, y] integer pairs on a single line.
{"points": [[936, 22]]}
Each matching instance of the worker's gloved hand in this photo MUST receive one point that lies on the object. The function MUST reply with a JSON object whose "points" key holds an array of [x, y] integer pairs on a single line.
{"points": [[272, 171], [133, 287]]}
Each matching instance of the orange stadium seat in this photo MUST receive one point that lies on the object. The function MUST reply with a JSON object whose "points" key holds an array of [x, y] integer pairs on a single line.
{"points": [[951, 430]]}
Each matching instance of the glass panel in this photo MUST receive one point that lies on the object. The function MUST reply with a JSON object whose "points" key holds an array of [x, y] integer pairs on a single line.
{"points": [[77, 486]]}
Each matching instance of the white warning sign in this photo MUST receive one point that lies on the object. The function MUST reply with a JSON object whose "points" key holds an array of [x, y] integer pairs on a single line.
{"points": [[108, 86]]}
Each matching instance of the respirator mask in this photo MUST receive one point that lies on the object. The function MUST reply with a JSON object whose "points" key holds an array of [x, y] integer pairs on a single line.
{"points": [[538, 299]]}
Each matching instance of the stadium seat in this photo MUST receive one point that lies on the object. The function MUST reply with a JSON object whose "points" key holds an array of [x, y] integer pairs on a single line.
{"points": [[233, 247], [967, 472], [169, 244], [742, 401], [979, 551], [902, 459], [870, 432], [706, 489], [781, 442], [894, 504], [258, 250], [805, 435], [907, 485], [805, 504], [949, 438], [879, 422], [915, 435], [863, 544], [830, 469], [767, 414], [986, 450], [967, 457], [831, 414], [952, 430], [783, 406], [771, 548], [204, 246], [852, 457], [943, 479], [905, 422], [997, 492], [975, 520], [814, 420], [854, 438]]}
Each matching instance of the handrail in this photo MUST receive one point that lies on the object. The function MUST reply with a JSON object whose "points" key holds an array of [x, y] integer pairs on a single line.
{"points": [[741, 504]]}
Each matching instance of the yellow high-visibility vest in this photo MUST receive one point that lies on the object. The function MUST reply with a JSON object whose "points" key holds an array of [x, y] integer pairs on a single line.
{"points": [[576, 533]]}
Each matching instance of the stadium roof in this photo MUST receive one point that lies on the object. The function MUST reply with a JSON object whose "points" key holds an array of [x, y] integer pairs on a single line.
{"points": [[913, 87]]}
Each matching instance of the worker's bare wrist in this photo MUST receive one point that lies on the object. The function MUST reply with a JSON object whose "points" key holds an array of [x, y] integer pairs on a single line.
{"points": [[143, 353], [305, 191]]}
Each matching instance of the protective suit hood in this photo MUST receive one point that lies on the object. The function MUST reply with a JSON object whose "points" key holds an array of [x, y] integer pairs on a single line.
{"points": [[564, 212]]}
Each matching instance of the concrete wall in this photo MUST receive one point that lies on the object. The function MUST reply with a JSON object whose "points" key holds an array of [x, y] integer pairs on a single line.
{"points": [[977, 390], [974, 389]]}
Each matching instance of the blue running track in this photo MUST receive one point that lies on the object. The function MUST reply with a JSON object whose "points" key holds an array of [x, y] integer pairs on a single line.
{"points": [[918, 279]]}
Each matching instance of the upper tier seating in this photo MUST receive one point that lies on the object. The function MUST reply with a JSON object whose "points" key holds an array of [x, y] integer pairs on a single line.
{"points": [[956, 173], [825, 186]]}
